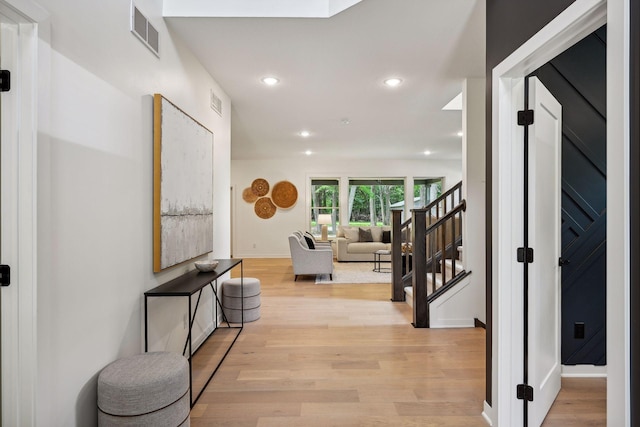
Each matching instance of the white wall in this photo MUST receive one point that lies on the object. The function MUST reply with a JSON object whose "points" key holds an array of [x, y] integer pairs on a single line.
{"points": [[270, 235], [473, 161], [95, 181]]}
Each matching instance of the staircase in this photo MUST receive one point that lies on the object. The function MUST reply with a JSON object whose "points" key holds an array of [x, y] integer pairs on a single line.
{"points": [[448, 275], [426, 262], [452, 270]]}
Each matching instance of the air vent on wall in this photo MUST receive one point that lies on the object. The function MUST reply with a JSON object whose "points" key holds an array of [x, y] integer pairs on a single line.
{"points": [[141, 27], [216, 103]]}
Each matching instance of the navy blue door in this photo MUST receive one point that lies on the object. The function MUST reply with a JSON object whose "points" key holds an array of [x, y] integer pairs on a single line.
{"points": [[577, 78]]}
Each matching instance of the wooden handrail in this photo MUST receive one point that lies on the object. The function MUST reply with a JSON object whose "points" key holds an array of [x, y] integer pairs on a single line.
{"points": [[406, 223], [426, 259], [455, 280], [444, 195], [462, 206]]}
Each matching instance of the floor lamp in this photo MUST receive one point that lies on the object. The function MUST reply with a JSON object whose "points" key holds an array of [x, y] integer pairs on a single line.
{"points": [[324, 220]]}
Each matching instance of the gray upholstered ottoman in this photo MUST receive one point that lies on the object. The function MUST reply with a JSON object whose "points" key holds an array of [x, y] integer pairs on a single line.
{"points": [[150, 389], [232, 297]]}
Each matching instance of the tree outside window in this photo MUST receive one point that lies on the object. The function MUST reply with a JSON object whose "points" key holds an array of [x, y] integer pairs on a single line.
{"points": [[325, 199], [371, 200], [426, 190]]}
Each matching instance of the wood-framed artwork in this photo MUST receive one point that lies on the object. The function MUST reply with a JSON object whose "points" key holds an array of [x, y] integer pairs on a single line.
{"points": [[182, 186]]}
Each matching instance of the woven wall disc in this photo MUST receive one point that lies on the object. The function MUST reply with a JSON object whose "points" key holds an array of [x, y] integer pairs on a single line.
{"points": [[248, 196], [264, 208], [284, 194], [260, 187]]}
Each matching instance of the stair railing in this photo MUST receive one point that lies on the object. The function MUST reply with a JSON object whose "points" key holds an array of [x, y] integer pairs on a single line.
{"points": [[420, 248], [401, 260]]}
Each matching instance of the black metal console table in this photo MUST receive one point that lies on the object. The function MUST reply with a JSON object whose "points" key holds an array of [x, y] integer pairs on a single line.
{"points": [[187, 285]]}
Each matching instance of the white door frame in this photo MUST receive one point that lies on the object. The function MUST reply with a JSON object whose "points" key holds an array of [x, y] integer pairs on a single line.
{"points": [[19, 217], [572, 25]]}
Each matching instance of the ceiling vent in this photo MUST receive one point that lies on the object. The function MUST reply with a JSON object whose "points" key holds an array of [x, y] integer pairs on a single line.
{"points": [[216, 103], [141, 27]]}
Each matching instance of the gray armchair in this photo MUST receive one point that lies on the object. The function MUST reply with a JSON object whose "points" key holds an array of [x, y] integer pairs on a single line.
{"points": [[309, 261], [316, 244]]}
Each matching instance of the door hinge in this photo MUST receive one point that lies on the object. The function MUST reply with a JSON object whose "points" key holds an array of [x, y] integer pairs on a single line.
{"points": [[525, 117], [525, 255], [5, 80], [5, 275], [525, 392], [563, 261]]}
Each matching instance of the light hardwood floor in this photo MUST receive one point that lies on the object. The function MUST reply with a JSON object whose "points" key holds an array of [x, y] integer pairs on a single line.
{"points": [[345, 355]]}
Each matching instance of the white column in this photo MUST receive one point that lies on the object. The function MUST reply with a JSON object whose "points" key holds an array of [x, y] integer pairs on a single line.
{"points": [[344, 200], [473, 187], [408, 197]]}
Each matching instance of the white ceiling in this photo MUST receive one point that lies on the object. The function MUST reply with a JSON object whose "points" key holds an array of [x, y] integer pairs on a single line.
{"points": [[331, 69]]}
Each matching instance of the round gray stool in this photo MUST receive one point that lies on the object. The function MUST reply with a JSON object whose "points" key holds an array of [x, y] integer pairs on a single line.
{"points": [[233, 296], [146, 390]]}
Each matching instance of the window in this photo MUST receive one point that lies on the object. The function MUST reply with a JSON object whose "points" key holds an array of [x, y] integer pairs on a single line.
{"points": [[371, 200], [325, 199], [426, 190]]}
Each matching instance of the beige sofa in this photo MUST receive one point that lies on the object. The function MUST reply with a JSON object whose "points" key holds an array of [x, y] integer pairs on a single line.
{"points": [[351, 247]]}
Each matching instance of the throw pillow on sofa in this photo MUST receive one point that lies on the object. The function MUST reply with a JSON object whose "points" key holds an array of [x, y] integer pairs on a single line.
{"points": [[376, 233], [364, 235], [386, 236], [309, 242], [352, 234]]}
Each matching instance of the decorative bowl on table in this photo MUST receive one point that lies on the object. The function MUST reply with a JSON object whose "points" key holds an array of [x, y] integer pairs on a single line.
{"points": [[206, 265]]}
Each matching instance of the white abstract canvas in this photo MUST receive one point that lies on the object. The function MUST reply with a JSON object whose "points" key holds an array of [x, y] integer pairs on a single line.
{"points": [[183, 186]]}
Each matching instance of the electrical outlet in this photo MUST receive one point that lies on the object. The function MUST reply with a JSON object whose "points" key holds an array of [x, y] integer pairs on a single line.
{"points": [[578, 330], [254, 246]]}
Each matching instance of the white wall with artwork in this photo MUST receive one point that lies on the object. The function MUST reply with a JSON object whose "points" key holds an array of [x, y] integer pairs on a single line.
{"points": [[254, 237], [182, 186], [95, 194]]}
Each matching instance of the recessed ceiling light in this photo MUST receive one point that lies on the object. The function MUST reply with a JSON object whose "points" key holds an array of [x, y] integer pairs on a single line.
{"points": [[345, 121], [305, 134], [393, 82], [308, 152], [427, 153], [460, 133], [270, 81]]}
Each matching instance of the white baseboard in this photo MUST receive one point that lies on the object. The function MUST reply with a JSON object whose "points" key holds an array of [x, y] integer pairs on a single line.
{"points": [[453, 323], [487, 413], [261, 255], [584, 371]]}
